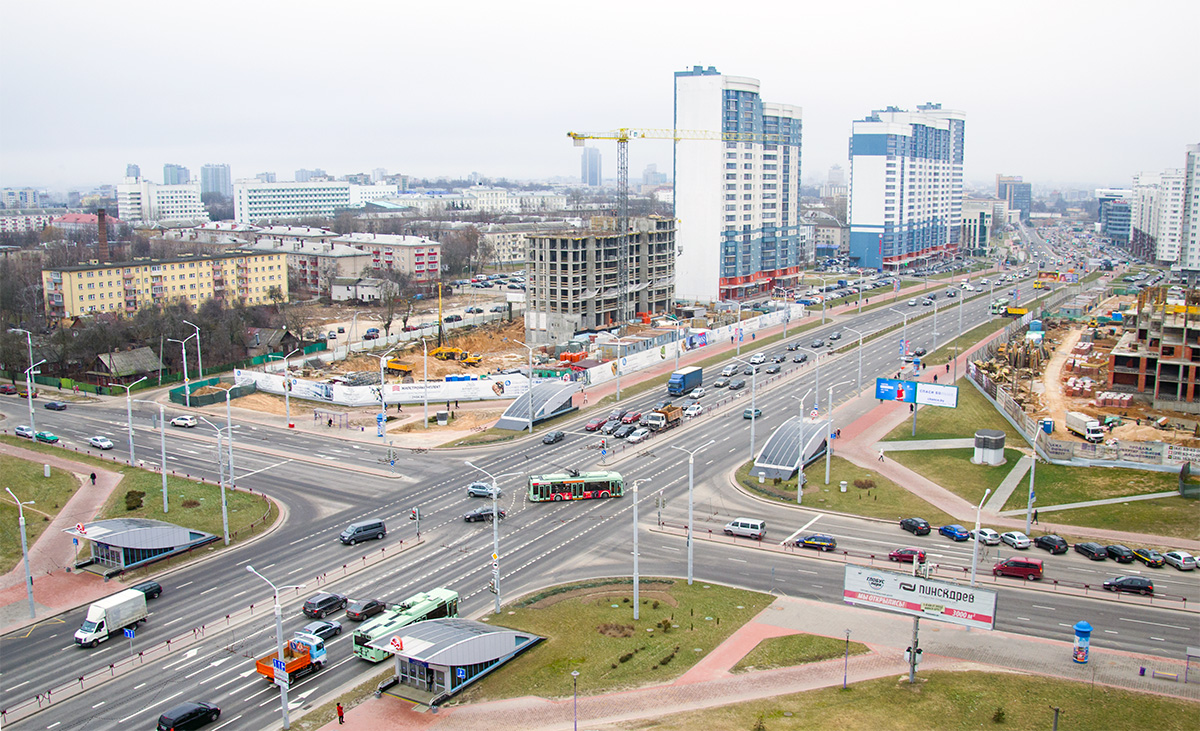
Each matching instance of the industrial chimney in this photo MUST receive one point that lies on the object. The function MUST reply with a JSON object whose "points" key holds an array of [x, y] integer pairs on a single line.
{"points": [[102, 224]]}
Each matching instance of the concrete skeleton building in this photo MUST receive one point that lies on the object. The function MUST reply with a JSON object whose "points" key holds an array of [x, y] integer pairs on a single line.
{"points": [[571, 277], [737, 199], [1159, 349], [140, 200], [906, 186]]}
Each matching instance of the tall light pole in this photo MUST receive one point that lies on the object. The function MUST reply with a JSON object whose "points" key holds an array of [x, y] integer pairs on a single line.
{"points": [[162, 436], [636, 598], [800, 450], [278, 637], [620, 346], [425, 379], [975, 550], [199, 359], [221, 472], [753, 398], [287, 385], [382, 401], [739, 329], [817, 366], [678, 327], [28, 374], [691, 453], [903, 333], [829, 420], [187, 384], [530, 349], [935, 332], [858, 385], [129, 414], [24, 549], [575, 690], [495, 531]]}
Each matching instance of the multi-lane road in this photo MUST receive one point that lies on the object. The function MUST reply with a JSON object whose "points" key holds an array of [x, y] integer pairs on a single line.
{"points": [[540, 543]]}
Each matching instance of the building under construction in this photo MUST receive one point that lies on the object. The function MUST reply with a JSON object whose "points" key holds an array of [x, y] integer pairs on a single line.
{"points": [[1159, 351]]}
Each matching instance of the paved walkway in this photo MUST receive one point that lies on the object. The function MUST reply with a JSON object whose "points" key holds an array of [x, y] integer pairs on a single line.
{"points": [[1090, 503], [996, 502]]}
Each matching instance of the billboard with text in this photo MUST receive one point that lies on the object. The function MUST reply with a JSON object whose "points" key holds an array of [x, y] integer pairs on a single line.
{"points": [[969, 606], [916, 392]]}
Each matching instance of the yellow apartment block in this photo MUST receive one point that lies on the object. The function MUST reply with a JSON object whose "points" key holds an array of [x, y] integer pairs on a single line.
{"points": [[88, 289]]}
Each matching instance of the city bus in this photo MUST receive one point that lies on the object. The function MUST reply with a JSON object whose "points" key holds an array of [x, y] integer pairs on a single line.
{"points": [[999, 305], [575, 486], [432, 604]]}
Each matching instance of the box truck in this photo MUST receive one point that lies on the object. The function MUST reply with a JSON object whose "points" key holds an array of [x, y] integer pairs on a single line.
{"points": [[685, 380], [111, 614], [1085, 426]]}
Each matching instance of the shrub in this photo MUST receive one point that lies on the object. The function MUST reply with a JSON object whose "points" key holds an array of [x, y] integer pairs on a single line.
{"points": [[133, 499], [864, 484], [998, 716], [626, 657], [189, 503]]}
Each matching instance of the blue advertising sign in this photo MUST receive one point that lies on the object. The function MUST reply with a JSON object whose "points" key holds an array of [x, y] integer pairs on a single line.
{"points": [[891, 389]]}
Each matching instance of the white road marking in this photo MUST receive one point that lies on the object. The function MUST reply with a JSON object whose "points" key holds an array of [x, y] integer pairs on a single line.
{"points": [[1156, 624]]}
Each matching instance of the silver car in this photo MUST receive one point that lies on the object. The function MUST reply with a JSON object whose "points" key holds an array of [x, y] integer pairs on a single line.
{"points": [[100, 442]]}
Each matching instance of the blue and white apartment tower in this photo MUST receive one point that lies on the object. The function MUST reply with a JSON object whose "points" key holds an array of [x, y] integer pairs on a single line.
{"points": [[906, 186], [737, 189]]}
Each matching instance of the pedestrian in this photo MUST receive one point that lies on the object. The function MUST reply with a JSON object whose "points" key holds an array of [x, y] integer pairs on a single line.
{"points": [[881, 455], [935, 378], [456, 403], [341, 714], [1035, 518], [93, 478], [330, 422], [839, 434]]}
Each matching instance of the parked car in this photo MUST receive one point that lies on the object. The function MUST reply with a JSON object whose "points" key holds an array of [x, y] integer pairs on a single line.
{"points": [[1020, 567], [987, 537], [55, 406], [8, 389], [190, 715], [499, 308], [1092, 550], [100, 442], [1150, 557], [484, 513], [954, 531], [737, 385], [595, 424], [1016, 539], [752, 414], [1052, 543], [640, 434], [819, 541], [360, 609], [482, 489], [1181, 560], [1119, 553], [916, 526], [47, 437], [554, 437], [474, 310], [324, 628], [187, 421], [452, 318], [1130, 584], [692, 410], [372, 333], [907, 555], [323, 603], [24, 430], [25, 394]]}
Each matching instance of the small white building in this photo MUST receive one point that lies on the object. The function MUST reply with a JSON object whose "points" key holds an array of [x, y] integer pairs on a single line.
{"points": [[356, 289]]}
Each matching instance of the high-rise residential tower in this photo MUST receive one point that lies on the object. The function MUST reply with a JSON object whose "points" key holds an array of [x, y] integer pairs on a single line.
{"points": [[1189, 240], [1016, 193], [133, 171], [589, 167], [216, 179], [906, 186], [176, 175], [737, 196]]}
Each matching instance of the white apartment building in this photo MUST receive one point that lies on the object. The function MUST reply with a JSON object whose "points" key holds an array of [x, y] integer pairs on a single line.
{"points": [[737, 200], [1189, 251], [254, 200], [25, 223], [140, 200], [906, 188], [978, 221], [20, 198], [1156, 210], [477, 198], [413, 255], [314, 264]]}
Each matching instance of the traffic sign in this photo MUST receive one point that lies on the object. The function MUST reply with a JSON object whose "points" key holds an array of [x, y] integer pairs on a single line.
{"points": [[603, 452], [495, 557], [80, 529], [460, 672], [813, 414], [397, 644], [128, 633], [277, 663]]}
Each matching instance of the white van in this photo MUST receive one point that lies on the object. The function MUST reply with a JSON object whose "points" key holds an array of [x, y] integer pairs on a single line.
{"points": [[746, 528]]}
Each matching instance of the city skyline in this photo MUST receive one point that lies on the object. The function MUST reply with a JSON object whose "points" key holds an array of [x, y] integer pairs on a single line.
{"points": [[1043, 91]]}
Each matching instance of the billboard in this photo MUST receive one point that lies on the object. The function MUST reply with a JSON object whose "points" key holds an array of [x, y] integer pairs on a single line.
{"points": [[905, 594], [933, 394], [916, 392]]}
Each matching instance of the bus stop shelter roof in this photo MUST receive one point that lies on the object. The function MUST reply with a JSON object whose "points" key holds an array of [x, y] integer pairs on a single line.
{"points": [[780, 456], [550, 399]]}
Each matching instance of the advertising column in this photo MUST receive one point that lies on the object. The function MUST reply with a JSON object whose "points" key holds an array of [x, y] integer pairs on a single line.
{"points": [[1083, 635]]}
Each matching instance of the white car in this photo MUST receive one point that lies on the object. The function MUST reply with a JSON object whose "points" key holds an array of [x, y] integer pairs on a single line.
{"points": [[693, 410], [638, 435], [912, 303], [100, 442], [987, 537], [758, 359], [24, 430], [1181, 560], [697, 393], [1016, 539], [186, 421]]}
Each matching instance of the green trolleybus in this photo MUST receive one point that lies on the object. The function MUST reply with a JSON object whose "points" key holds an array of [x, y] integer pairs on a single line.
{"points": [[575, 486], [432, 604]]}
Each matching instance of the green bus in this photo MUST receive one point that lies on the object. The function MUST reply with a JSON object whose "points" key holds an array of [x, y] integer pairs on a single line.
{"points": [[432, 604], [575, 486], [999, 305]]}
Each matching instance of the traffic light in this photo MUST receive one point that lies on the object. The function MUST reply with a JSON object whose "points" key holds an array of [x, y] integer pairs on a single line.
{"points": [[603, 443], [415, 514], [492, 586]]}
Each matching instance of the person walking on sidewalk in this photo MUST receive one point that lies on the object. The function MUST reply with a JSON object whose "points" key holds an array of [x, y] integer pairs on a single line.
{"points": [[1035, 519], [341, 714], [881, 455], [93, 479]]}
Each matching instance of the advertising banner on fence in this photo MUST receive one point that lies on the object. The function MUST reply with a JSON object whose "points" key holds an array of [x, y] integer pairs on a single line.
{"points": [[917, 597], [488, 386]]}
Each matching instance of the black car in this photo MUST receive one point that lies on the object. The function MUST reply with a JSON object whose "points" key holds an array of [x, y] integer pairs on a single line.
{"points": [[1150, 557], [150, 588], [818, 343], [773, 368], [793, 346], [323, 629], [1094, 551], [1119, 553], [55, 406], [192, 714], [324, 603], [1051, 543], [452, 318], [484, 513], [737, 385], [920, 352], [625, 430], [1131, 584], [361, 609], [553, 437], [749, 370], [611, 426], [778, 358], [800, 358], [916, 526]]}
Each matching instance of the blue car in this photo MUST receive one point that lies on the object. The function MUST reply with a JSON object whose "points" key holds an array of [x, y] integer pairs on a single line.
{"points": [[954, 531]]}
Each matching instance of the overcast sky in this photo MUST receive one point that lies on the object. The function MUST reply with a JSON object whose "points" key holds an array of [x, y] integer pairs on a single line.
{"points": [[1065, 93]]}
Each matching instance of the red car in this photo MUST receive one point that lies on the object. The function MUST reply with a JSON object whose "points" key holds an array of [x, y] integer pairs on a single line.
{"points": [[906, 555], [8, 388], [631, 418], [595, 424]]}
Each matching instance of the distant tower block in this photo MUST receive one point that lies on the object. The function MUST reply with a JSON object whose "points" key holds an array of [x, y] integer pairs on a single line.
{"points": [[989, 447]]}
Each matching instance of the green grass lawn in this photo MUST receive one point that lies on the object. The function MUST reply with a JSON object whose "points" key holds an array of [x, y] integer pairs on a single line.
{"points": [[948, 701], [592, 630], [973, 412], [885, 500], [1170, 516], [953, 470], [48, 494], [790, 650]]}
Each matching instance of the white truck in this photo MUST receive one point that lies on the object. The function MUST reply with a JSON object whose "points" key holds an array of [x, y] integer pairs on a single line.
{"points": [[1085, 426], [111, 614]]}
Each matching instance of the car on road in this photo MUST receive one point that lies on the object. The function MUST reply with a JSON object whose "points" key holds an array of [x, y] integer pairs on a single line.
{"points": [[1016, 539], [372, 333], [926, 302], [190, 715], [554, 437], [185, 422], [498, 308], [920, 352], [1020, 567], [360, 609], [1052, 543], [1130, 584], [987, 536], [954, 531], [631, 417], [721, 382], [835, 335], [595, 424], [749, 370], [737, 385], [611, 426], [818, 343], [46, 436], [331, 335], [1150, 557], [693, 410], [24, 430], [1119, 553], [100, 442], [773, 368], [474, 310], [907, 555], [792, 347], [1092, 550], [625, 430], [8, 389], [55, 406], [752, 414], [819, 541], [484, 513], [697, 393], [912, 303], [779, 358], [758, 359], [482, 489], [323, 603], [452, 318], [1181, 560], [800, 358], [324, 628], [916, 526], [640, 434]]}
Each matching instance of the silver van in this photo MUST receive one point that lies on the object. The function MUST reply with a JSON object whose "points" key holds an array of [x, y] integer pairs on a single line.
{"points": [[746, 528], [730, 370], [363, 530]]}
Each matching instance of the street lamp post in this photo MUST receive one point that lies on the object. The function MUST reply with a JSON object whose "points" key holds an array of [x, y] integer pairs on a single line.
{"points": [[287, 387], [382, 400], [829, 428], [530, 395], [904, 332], [739, 328], [162, 437], [858, 385], [620, 345], [425, 378], [199, 359], [187, 384], [221, 472], [691, 483], [961, 302], [800, 449], [28, 373], [129, 414], [24, 549], [278, 637], [975, 550], [495, 532], [636, 579], [575, 690], [816, 366], [753, 399]]}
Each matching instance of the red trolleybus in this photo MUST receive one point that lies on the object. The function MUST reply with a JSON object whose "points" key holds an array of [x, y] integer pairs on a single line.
{"points": [[575, 486]]}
